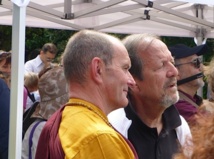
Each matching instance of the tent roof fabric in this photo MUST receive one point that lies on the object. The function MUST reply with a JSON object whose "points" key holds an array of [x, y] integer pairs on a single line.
{"points": [[181, 18], [162, 17]]}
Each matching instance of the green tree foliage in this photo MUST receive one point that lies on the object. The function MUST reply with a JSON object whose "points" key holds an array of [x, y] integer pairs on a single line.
{"points": [[37, 37], [170, 41], [5, 37]]}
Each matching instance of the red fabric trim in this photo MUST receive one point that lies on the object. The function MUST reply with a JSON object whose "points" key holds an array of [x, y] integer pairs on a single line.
{"points": [[49, 146]]}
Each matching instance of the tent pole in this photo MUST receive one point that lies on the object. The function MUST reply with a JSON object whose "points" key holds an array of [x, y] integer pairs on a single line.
{"points": [[200, 35], [67, 10], [17, 82]]}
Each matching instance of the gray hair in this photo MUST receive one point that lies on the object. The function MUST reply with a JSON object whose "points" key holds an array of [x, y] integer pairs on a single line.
{"points": [[135, 45], [81, 49]]}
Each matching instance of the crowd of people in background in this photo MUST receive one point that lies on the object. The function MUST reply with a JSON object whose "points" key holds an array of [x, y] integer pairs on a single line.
{"points": [[113, 99], [53, 92]]}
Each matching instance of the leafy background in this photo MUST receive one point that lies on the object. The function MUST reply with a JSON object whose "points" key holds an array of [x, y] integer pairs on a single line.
{"points": [[37, 37]]}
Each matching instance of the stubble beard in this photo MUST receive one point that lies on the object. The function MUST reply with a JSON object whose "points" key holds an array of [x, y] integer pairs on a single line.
{"points": [[169, 100]]}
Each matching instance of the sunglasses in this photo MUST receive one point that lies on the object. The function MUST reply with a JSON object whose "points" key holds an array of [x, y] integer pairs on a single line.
{"points": [[196, 63]]}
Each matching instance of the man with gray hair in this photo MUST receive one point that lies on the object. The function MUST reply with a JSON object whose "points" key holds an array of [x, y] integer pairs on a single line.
{"points": [[150, 121], [96, 67], [190, 78]]}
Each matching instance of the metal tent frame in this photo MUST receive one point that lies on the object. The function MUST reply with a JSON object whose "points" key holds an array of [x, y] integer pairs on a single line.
{"points": [[180, 18]]}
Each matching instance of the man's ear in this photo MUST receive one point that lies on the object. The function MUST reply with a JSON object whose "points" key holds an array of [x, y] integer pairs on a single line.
{"points": [[97, 67]]}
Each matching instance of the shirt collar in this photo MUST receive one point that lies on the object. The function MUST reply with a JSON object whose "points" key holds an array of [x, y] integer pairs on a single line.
{"points": [[170, 117], [38, 60]]}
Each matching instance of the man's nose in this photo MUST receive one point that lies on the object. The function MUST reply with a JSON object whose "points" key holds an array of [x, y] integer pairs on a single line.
{"points": [[131, 81]]}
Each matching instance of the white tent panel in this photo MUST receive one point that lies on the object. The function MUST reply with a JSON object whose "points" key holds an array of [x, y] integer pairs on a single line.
{"points": [[165, 17], [199, 1], [181, 18]]}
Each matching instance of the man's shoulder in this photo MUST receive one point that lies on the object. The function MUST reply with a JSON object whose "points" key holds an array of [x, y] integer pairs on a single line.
{"points": [[183, 132], [34, 65], [80, 119], [78, 116], [119, 120], [31, 61]]}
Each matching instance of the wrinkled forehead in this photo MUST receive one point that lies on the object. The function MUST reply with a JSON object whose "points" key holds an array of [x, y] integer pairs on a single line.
{"points": [[157, 45], [156, 53], [156, 48]]}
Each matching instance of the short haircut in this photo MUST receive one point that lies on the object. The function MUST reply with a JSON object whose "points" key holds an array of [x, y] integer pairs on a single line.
{"points": [[81, 49], [5, 55], [49, 47], [31, 80], [135, 45]]}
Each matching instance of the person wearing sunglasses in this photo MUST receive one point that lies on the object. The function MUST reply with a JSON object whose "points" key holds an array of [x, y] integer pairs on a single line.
{"points": [[190, 78]]}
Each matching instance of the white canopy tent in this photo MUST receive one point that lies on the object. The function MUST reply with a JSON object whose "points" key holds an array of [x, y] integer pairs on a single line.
{"points": [[181, 18], [163, 17]]}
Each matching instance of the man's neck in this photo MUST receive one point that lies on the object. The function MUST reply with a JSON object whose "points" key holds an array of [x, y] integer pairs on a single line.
{"points": [[186, 89], [84, 93], [150, 114]]}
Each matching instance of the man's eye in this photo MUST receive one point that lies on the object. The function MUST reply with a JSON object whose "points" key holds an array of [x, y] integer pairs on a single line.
{"points": [[161, 64], [127, 68]]}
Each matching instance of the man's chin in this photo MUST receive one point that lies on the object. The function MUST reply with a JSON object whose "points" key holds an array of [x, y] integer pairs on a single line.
{"points": [[201, 83], [124, 102], [170, 100]]}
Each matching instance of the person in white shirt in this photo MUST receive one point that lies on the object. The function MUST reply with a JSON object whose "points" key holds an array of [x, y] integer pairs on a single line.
{"points": [[47, 54]]}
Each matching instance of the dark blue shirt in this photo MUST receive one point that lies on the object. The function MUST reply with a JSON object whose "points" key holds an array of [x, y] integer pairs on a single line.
{"points": [[4, 119]]}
